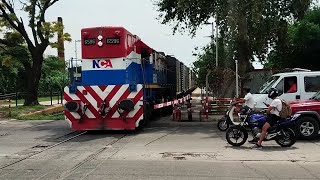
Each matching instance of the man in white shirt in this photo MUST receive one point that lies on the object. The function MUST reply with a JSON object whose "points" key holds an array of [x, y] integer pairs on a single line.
{"points": [[273, 115], [248, 104], [247, 100]]}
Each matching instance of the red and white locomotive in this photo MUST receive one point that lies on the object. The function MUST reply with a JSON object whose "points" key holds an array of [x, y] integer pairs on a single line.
{"points": [[120, 81]]}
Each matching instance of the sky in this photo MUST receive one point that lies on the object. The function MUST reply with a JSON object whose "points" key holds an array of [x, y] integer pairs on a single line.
{"points": [[138, 16]]}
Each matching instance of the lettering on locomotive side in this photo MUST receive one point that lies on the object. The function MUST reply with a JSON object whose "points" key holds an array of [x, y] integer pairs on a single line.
{"points": [[97, 64]]}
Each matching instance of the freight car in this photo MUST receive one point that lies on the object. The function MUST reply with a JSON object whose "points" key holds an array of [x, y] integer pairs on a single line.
{"points": [[120, 81]]}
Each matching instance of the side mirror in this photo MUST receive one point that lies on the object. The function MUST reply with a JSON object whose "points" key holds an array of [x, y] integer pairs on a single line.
{"points": [[280, 92]]}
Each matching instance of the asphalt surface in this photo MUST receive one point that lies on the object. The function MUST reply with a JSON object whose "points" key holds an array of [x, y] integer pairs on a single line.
{"points": [[165, 150]]}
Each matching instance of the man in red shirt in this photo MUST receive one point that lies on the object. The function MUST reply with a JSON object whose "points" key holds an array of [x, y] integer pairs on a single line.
{"points": [[293, 86]]}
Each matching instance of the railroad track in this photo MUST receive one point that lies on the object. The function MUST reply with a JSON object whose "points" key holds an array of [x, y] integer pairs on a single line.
{"points": [[163, 136], [67, 173], [45, 147], [65, 138]]}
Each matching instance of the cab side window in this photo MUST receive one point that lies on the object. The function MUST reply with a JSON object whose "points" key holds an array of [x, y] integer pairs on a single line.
{"points": [[290, 84], [312, 83], [287, 85]]}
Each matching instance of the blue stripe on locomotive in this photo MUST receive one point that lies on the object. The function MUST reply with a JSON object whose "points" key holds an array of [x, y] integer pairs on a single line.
{"points": [[132, 75]]}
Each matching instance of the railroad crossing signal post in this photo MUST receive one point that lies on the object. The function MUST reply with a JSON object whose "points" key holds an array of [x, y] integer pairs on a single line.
{"points": [[207, 83]]}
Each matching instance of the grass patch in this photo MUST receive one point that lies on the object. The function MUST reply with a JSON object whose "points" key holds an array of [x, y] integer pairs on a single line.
{"points": [[19, 111], [43, 117]]}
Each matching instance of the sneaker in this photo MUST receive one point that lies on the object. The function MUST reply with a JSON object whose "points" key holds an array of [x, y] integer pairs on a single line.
{"points": [[256, 146], [253, 141]]}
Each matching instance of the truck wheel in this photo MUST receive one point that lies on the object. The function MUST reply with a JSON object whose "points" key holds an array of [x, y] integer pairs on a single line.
{"points": [[307, 128]]}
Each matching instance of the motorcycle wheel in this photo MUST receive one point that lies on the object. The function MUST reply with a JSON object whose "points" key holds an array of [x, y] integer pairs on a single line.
{"points": [[222, 125], [236, 135], [287, 138]]}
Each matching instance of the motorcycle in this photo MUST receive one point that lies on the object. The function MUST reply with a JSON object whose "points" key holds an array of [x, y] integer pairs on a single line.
{"points": [[224, 123], [282, 132]]}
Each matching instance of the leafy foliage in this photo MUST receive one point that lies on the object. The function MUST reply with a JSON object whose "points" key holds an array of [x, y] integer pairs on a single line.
{"points": [[54, 76], [248, 28], [41, 36], [220, 79], [302, 46], [12, 57]]}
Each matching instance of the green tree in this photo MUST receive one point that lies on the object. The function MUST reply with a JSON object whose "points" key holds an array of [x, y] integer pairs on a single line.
{"points": [[302, 47], [36, 42], [221, 78], [13, 53], [249, 28], [54, 76]]}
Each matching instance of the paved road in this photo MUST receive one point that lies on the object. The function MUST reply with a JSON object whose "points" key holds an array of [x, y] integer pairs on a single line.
{"points": [[50, 150]]}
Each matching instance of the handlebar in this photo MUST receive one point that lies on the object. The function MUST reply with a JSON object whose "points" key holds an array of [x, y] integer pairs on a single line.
{"points": [[263, 111]]}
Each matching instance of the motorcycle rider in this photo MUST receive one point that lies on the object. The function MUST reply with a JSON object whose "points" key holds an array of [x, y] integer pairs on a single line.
{"points": [[248, 104], [247, 100], [272, 115]]}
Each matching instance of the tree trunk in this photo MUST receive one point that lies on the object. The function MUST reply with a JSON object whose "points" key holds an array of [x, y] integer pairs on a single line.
{"points": [[33, 75], [243, 51]]}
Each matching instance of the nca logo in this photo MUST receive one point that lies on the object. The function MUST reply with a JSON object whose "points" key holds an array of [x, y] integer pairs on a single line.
{"points": [[102, 63]]}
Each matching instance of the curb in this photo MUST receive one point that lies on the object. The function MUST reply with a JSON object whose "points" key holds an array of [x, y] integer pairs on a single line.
{"points": [[47, 111]]}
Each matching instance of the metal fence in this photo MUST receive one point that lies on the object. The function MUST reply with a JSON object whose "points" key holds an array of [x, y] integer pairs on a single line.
{"points": [[56, 97]]}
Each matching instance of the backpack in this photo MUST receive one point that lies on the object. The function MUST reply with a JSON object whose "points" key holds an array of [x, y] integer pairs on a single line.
{"points": [[286, 110]]}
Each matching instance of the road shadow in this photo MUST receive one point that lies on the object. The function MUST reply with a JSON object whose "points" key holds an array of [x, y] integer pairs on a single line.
{"points": [[315, 140], [60, 131], [268, 148]]}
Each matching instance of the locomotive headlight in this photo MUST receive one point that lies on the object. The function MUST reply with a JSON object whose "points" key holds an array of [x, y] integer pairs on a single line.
{"points": [[100, 43], [100, 37], [126, 105], [72, 106]]}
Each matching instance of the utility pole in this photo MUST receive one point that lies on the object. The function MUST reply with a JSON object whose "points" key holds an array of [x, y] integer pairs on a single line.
{"points": [[207, 83], [212, 47], [217, 44], [75, 48], [237, 80]]}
